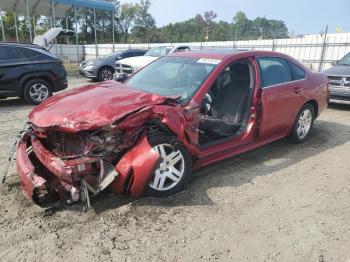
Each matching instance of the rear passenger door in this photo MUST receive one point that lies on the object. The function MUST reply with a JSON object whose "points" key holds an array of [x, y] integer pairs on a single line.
{"points": [[12, 66], [281, 96]]}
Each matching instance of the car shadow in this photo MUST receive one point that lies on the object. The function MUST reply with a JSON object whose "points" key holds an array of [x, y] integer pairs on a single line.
{"points": [[242, 169], [16, 101], [341, 107]]}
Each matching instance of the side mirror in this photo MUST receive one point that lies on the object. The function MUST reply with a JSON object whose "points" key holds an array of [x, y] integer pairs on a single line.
{"points": [[120, 77], [334, 63]]}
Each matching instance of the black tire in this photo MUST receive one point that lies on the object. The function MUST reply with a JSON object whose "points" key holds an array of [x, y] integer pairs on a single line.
{"points": [[183, 181], [296, 136], [105, 73], [28, 87]]}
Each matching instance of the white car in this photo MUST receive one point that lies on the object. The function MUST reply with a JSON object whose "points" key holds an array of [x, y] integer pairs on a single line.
{"points": [[131, 65]]}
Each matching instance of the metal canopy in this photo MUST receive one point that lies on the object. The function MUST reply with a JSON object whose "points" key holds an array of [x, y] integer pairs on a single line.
{"points": [[53, 9], [44, 7]]}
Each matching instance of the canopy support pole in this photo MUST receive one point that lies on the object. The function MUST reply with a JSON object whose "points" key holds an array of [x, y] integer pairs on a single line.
{"points": [[53, 14], [29, 24], [67, 28], [96, 47], [34, 32], [113, 28], [76, 32], [2, 26], [16, 27]]}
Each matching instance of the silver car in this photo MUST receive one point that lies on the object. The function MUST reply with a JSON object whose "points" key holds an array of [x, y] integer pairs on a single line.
{"points": [[339, 81], [103, 68]]}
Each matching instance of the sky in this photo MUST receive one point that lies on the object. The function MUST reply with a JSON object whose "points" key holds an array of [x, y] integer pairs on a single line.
{"points": [[300, 16]]}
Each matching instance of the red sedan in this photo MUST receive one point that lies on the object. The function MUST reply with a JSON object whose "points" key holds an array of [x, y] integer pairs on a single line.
{"points": [[182, 112]]}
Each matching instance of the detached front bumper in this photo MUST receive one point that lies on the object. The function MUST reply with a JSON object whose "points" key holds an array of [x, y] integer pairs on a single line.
{"points": [[46, 178], [26, 170], [89, 73]]}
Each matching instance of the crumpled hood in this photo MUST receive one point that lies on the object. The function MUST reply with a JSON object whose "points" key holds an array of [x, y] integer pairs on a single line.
{"points": [[91, 107], [138, 61]]}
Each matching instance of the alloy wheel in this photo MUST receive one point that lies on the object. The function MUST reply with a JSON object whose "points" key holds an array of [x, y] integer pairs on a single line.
{"points": [[106, 74], [39, 92], [171, 169], [304, 123]]}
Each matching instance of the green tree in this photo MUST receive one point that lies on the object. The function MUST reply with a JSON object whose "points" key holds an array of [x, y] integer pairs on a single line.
{"points": [[208, 18], [145, 29], [126, 19], [242, 27]]}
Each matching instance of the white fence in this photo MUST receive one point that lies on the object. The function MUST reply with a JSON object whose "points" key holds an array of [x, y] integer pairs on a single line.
{"points": [[314, 51], [71, 53]]}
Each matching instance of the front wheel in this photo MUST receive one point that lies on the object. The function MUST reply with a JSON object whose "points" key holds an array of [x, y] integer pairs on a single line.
{"points": [[174, 170], [105, 74], [303, 123]]}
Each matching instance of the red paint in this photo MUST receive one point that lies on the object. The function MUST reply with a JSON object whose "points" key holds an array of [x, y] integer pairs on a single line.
{"points": [[111, 103], [139, 163], [90, 107]]}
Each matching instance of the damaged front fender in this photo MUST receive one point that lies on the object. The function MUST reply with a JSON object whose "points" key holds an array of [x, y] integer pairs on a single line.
{"points": [[135, 169]]}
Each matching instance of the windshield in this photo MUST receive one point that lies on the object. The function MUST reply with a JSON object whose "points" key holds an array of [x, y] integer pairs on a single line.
{"points": [[158, 51], [345, 60], [177, 77]]}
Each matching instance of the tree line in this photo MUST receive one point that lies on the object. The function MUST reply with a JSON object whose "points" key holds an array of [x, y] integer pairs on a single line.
{"points": [[134, 23]]}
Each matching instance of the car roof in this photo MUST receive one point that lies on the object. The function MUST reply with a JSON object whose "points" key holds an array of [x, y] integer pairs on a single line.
{"points": [[227, 52], [20, 44], [133, 50]]}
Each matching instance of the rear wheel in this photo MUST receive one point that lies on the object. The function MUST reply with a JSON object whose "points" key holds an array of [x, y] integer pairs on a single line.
{"points": [[105, 73], [303, 123], [36, 91], [174, 170]]}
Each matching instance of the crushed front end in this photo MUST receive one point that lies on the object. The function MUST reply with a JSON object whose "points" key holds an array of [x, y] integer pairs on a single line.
{"points": [[56, 166]]}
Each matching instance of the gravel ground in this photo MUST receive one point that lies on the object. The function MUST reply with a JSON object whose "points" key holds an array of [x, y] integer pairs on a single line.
{"points": [[282, 202]]}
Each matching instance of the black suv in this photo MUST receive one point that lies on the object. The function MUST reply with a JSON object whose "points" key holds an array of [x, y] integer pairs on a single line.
{"points": [[30, 72]]}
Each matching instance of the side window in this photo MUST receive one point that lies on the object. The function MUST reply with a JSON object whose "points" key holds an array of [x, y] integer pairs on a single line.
{"points": [[182, 49], [17, 53], [8, 53], [128, 54], [29, 53], [273, 71], [298, 73]]}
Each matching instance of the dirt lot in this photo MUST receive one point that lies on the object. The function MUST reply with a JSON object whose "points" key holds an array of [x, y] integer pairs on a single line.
{"points": [[282, 202]]}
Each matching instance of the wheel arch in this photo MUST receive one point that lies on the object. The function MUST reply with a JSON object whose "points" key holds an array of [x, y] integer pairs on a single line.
{"points": [[25, 79], [314, 105]]}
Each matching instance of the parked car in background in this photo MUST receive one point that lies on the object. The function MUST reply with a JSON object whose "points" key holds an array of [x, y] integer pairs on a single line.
{"points": [[103, 68], [131, 65], [30, 72], [182, 112], [339, 80]]}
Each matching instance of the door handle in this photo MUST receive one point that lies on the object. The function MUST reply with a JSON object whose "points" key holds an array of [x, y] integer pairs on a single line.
{"points": [[22, 67], [297, 90]]}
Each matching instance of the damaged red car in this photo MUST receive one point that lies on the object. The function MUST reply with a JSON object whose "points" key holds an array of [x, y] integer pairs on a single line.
{"points": [[182, 112]]}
